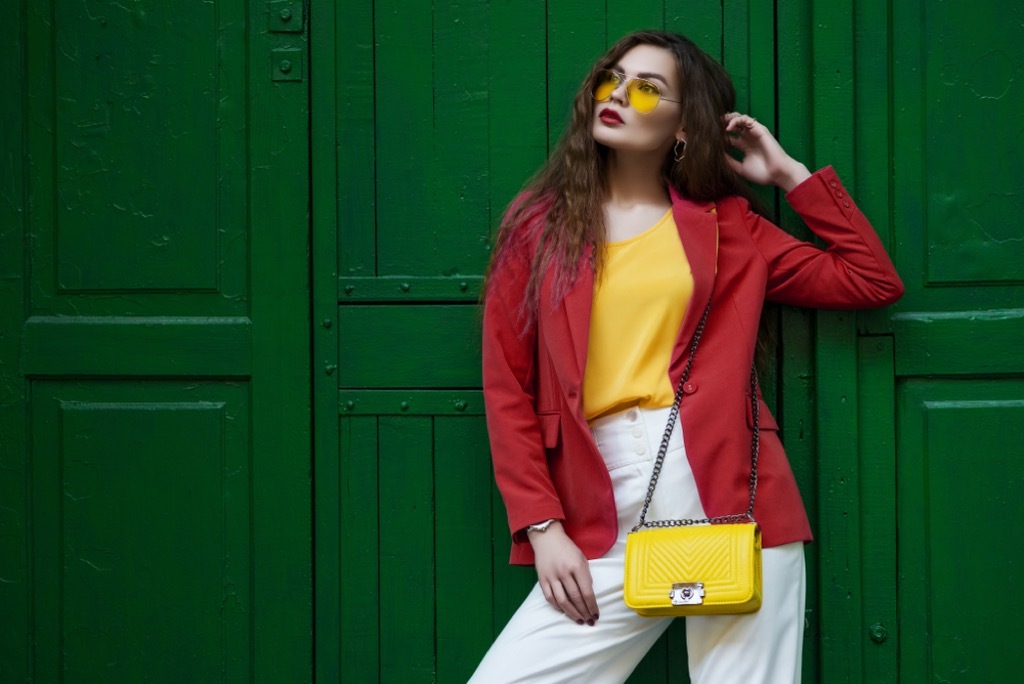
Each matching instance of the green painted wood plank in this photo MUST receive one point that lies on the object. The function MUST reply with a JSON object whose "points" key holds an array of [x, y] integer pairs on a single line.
{"points": [[412, 288], [838, 525], [15, 662], [409, 346], [404, 120], [626, 16], [359, 551], [279, 176], [700, 21], [410, 402], [517, 38], [736, 50], [941, 343], [872, 183], [459, 242], [462, 477], [876, 403], [353, 153], [407, 574], [576, 38], [324, 120], [796, 416], [151, 345], [834, 95]]}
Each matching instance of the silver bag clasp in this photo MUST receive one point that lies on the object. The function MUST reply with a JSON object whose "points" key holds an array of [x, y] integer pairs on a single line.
{"points": [[687, 593]]}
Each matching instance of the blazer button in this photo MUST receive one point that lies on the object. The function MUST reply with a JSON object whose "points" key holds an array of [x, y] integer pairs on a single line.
{"points": [[689, 388]]}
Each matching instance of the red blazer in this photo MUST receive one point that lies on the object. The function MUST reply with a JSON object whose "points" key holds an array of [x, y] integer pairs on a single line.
{"points": [[545, 460]]}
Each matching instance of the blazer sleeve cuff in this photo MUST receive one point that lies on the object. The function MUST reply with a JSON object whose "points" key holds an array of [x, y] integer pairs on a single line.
{"points": [[822, 185]]}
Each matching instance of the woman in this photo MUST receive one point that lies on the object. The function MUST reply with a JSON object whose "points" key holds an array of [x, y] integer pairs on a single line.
{"points": [[601, 272]]}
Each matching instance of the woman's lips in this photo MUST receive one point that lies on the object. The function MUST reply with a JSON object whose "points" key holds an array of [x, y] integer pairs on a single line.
{"points": [[610, 117]]}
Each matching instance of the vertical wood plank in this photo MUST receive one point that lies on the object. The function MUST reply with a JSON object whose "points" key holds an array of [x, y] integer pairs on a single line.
{"points": [[354, 152], [518, 93], [459, 243], [794, 126], [462, 485], [838, 529], [626, 16], [877, 406], [278, 142], [576, 38], [14, 531], [404, 121], [699, 20], [360, 558], [324, 122], [874, 170], [736, 49], [839, 526], [407, 603]]}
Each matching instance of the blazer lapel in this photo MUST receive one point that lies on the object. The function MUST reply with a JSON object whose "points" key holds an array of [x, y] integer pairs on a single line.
{"points": [[578, 303], [697, 223], [566, 327]]}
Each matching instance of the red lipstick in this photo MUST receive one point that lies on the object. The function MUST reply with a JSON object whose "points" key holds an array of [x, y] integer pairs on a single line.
{"points": [[610, 117]]}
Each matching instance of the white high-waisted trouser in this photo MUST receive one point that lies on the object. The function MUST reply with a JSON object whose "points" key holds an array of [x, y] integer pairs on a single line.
{"points": [[541, 645]]}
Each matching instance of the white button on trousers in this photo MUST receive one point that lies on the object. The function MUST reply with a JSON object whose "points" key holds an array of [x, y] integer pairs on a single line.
{"points": [[540, 645]]}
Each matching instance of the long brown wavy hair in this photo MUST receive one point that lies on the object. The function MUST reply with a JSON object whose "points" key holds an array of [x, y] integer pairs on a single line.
{"points": [[572, 185]]}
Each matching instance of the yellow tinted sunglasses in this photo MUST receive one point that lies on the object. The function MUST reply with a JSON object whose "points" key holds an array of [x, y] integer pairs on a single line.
{"points": [[643, 95]]}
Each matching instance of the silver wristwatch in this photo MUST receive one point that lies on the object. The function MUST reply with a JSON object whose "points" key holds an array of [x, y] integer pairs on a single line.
{"points": [[541, 526]]}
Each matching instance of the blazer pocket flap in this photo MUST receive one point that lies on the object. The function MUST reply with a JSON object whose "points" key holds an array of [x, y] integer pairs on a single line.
{"points": [[766, 421], [549, 428]]}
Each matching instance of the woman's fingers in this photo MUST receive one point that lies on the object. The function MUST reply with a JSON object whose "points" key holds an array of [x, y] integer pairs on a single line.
{"points": [[564, 574], [574, 597]]}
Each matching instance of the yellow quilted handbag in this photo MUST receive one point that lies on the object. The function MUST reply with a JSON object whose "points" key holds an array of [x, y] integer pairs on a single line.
{"points": [[695, 567], [694, 570]]}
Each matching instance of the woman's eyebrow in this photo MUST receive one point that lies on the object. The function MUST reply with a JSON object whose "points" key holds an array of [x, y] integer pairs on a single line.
{"points": [[643, 74], [651, 75]]}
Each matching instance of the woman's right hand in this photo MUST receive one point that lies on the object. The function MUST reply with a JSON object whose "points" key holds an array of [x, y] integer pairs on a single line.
{"points": [[564, 574]]}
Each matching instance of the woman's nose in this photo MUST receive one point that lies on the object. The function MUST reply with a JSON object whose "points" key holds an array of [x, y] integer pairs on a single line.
{"points": [[620, 94]]}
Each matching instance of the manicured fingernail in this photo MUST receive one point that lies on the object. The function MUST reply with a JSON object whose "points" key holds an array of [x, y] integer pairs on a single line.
{"points": [[590, 622], [579, 622]]}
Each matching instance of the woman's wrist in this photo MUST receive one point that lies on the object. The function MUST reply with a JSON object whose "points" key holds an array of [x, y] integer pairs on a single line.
{"points": [[543, 529], [793, 174]]}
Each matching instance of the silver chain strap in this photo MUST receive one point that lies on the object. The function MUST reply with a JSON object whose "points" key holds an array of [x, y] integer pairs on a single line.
{"points": [[755, 443]]}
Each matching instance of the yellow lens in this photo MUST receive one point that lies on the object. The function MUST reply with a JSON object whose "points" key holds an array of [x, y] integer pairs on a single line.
{"points": [[643, 95], [605, 85]]}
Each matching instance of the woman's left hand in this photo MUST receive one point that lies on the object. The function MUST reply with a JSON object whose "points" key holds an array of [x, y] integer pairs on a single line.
{"points": [[764, 161]]}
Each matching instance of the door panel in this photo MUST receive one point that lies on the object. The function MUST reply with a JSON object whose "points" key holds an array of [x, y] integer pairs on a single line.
{"points": [[160, 309], [117, 506], [960, 444]]}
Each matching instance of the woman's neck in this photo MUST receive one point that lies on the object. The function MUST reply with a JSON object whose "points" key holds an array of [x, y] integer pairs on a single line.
{"points": [[635, 178]]}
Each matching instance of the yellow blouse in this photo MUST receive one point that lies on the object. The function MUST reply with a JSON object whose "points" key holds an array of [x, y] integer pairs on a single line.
{"points": [[638, 308]]}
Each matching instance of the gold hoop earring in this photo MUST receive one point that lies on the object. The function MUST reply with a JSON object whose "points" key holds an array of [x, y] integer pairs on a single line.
{"points": [[679, 155]]}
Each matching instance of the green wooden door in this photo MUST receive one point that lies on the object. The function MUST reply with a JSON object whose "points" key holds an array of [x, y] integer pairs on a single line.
{"points": [[919, 476], [960, 397], [154, 458]]}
